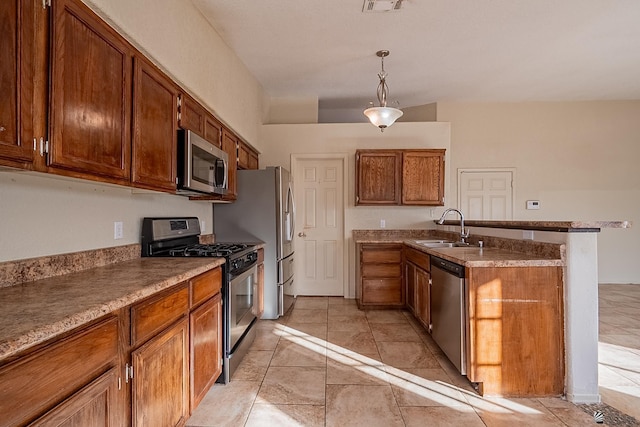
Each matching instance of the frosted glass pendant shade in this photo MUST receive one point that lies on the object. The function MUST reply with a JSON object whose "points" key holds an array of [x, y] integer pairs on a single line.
{"points": [[383, 117]]}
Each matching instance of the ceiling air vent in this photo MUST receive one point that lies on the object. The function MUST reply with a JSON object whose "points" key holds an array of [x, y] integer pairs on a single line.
{"points": [[381, 5]]}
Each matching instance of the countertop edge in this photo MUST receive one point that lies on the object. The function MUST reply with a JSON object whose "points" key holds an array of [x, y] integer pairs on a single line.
{"points": [[442, 253], [555, 226]]}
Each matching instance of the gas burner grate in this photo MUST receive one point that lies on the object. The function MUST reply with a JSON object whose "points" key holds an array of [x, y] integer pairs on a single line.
{"points": [[212, 250]]}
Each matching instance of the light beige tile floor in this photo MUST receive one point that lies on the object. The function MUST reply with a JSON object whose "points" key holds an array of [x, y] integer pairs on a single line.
{"points": [[619, 347], [329, 364]]}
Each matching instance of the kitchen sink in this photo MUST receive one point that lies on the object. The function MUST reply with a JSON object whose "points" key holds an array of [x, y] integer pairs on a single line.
{"points": [[441, 244], [435, 243]]}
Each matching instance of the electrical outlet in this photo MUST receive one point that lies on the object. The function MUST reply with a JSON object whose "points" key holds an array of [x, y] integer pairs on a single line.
{"points": [[118, 232], [527, 234], [383, 223]]}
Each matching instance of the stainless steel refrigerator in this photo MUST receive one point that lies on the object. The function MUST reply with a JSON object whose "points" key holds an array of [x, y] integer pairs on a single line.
{"points": [[264, 211]]}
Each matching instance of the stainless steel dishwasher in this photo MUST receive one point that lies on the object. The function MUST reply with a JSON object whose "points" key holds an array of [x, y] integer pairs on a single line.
{"points": [[448, 312]]}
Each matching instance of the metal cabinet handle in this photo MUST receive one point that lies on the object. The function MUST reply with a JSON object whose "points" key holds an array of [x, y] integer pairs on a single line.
{"points": [[302, 234]]}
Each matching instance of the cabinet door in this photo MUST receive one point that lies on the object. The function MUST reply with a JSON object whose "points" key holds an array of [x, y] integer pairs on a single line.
{"points": [[95, 405], [206, 348], [423, 177], [410, 284], [253, 161], [247, 158], [155, 117], [16, 82], [423, 297], [213, 130], [378, 177], [160, 392], [192, 115], [230, 146], [90, 106]]}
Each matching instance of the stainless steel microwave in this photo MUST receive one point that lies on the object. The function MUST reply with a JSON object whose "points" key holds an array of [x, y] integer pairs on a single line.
{"points": [[202, 167]]}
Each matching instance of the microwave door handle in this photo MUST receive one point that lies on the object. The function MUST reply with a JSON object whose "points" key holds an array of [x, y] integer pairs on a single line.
{"points": [[214, 178], [225, 164]]}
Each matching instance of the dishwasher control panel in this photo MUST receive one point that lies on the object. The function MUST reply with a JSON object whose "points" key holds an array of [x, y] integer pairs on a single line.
{"points": [[448, 266]]}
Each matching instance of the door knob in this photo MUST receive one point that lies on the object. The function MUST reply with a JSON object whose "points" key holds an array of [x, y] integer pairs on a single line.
{"points": [[302, 234]]}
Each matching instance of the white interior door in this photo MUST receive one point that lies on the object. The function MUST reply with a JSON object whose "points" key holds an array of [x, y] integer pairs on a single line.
{"points": [[319, 191], [486, 194]]}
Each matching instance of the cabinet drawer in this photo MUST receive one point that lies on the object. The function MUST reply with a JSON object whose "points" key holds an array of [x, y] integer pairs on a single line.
{"points": [[384, 254], [420, 259], [382, 291], [381, 270], [35, 383], [205, 286], [156, 313]]}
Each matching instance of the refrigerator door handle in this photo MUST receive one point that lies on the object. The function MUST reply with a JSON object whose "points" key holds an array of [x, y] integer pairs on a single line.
{"points": [[280, 300], [291, 214]]}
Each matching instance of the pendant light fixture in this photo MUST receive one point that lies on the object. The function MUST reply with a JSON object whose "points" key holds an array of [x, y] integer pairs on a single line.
{"points": [[382, 116]]}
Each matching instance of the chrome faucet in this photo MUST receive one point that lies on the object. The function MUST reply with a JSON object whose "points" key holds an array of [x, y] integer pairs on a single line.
{"points": [[463, 234]]}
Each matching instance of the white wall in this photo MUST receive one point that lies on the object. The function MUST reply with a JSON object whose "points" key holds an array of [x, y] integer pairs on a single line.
{"points": [[42, 215], [280, 141], [178, 38], [580, 159]]}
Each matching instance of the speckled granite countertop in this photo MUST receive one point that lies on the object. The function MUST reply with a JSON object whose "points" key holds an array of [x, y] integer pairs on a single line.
{"points": [[501, 252], [474, 256], [34, 312]]}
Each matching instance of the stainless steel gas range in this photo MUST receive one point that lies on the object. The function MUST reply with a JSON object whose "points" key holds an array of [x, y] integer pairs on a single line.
{"points": [[179, 237]]}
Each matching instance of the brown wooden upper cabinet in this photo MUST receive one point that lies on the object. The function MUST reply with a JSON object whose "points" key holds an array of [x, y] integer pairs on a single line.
{"points": [[378, 177], [17, 45], [400, 177], [247, 156], [192, 114], [79, 100], [90, 106], [230, 146], [155, 125], [194, 117], [212, 130]]}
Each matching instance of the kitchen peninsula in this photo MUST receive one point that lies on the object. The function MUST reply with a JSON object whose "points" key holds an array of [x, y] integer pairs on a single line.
{"points": [[569, 245]]}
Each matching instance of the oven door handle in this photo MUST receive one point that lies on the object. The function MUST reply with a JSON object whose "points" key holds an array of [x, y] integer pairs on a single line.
{"points": [[248, 272]]}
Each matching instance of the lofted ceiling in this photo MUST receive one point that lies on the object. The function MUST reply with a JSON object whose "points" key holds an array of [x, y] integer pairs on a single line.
{"points": [[441, 50]]}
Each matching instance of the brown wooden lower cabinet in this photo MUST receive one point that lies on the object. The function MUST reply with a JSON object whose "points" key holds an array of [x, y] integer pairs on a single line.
{"points": [[380, 276], [423, 297], [205, 327], [36, 383], [418, 285], [515, 330], [95, 405], [160, 395]]}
